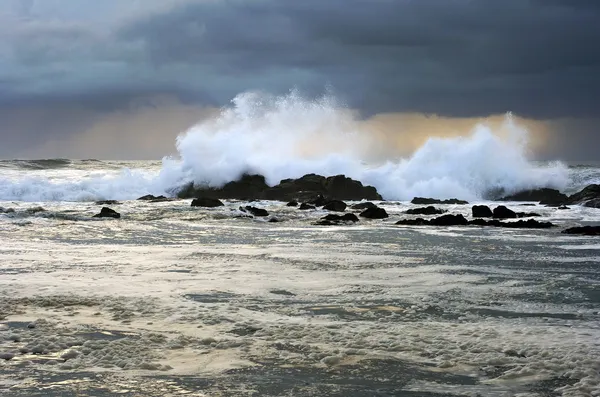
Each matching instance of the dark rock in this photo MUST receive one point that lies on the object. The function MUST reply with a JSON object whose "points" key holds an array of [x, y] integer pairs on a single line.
{"points": [[106, 212], [207, 202], [255, 211], [147, 197], [521, 224], [591, 192], [449, 220], [563, 207], [501, 212], [335, 205], [249, 187], [318, 201], [292, 203], [413, 222], [305, 206], [374, 213], [594, 203], [583, 230], [340, 218], [429, 201], [482, 211], [161, 199], [274, 220], [107, 202], [527, 214], [363, 206], [245, 330], [282, 292], [545, 196], [431, 210]]}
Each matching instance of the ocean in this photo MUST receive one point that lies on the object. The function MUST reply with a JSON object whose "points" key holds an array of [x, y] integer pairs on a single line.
{"points": [[173, 300]]}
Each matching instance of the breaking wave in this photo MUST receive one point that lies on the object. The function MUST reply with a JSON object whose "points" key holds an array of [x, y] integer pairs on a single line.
{"points": [[289, 136]]}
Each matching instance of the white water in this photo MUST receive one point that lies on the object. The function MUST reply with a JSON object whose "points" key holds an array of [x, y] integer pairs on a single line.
{"points": [[289, 136]]}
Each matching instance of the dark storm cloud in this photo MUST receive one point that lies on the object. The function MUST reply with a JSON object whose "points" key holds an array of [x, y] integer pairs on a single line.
{"points": [[455, 58]]}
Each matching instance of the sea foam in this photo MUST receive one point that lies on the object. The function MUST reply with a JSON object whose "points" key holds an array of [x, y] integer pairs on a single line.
{"points": [[289, 136]]}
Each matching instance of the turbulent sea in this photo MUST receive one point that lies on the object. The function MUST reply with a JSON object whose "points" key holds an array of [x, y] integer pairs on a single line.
{"points": [[173, 300]]}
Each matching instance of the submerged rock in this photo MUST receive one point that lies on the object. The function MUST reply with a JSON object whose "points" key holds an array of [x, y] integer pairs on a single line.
{"points": [[107, 202], [335, 205], [431, 210], [106, 212], [460, 220], [501, 212], [583, 230], [363, 206], [292, 203], [544, 196], [255, 211], [306, 206], [482, 211], [374, 213], [589, 197], [429, 201], [207, 202]]}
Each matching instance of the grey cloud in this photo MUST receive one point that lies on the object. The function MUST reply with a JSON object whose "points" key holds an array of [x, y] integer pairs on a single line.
{"points": [[455, 58]]}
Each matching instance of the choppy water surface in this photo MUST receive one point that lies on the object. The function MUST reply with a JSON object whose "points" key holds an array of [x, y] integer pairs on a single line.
{"points": [[173, 300]]}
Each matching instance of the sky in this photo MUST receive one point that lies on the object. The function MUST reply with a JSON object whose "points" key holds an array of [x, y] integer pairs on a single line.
{"points": [[122, 78]]}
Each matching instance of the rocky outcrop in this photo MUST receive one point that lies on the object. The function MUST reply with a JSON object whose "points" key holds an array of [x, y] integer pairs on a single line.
{"points": [[306, 188], [588, 197], [544, 196], [374, 213], [460, 220], [334, 219], [482, 211], [431, 210], [363, 206], [106, 212], [429, 201], [335, 205], [255, 211], [501, 212], [583, 230], [107, 202], [306, 206], [292, 203], [207, 202]]}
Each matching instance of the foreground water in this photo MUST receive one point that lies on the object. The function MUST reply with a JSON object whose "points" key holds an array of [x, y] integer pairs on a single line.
{"points": [[172, 300]]}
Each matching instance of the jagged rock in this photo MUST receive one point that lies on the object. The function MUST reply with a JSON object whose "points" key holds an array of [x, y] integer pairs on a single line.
{"points": [[318, 201], [431, 210], [501, 212], [107, 202], [482, 211], [594, 203], [374, 213], [583, 230], [363, 206], [335, 205], [292, 203], [589, 193], [429, 201], [207, 202], [337, 187], [545, 196], [563, 207], [106, 212], [255, 211], [305, 206]]}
